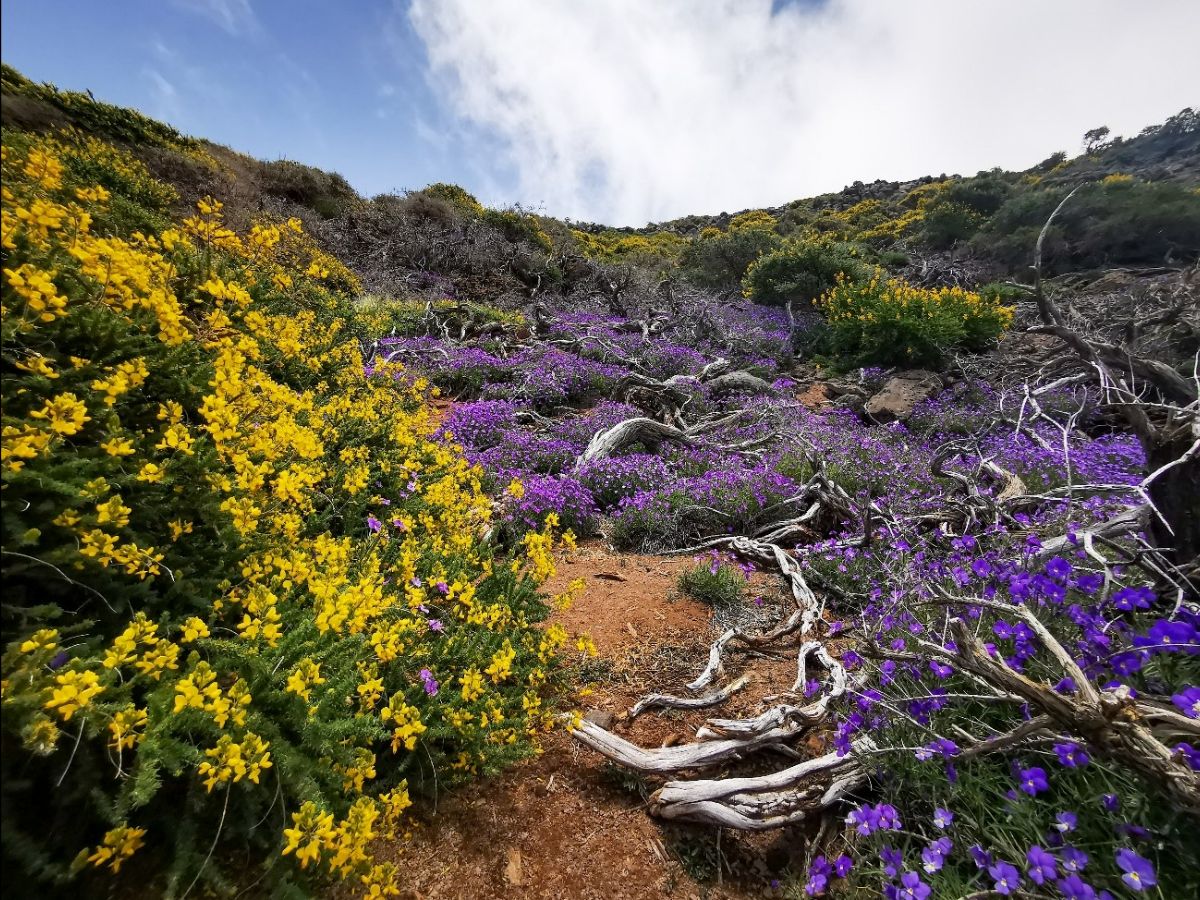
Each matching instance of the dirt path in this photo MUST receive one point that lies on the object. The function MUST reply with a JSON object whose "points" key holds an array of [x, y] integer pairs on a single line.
{"points": [[566, 824]]}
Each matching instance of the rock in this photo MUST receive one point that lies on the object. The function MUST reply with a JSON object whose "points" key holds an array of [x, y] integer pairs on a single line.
{"points": [[820, 394], [901, 394], [513, 872], [600, 717], [737, 383]]}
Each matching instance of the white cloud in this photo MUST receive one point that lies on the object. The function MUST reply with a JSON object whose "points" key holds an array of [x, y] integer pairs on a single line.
{"points": [[626, 111], [166, 96], [234, 16]]}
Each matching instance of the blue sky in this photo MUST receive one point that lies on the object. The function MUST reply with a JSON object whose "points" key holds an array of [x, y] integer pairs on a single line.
{"points": [[626, 111], [338, 85]]}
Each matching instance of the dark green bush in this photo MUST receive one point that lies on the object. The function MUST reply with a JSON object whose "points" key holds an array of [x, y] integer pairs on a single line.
{"points": [[948, 223], [326, 193], [719, 259], [800, 271]]}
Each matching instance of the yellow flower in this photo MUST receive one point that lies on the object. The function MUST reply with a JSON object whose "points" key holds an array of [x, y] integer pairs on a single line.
{"points": [[45, 168], [407, 724], [65, 413], [113, 512], [151, 472], [179, 528], [119, 844], [126, 728], [74, 692], [95, 194], [233, 761], [37, 364], [42, 640], [310, 830], [472, 685], [117, 446], [303, 678]]}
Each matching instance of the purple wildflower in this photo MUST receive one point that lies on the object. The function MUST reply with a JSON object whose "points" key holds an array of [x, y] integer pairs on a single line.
{"points": [[1043, 866], [1139, 872], [1058, 568], [1033, 781], [982, 858], [912, 887], [1073, 859], [1066, 821], [1075, 888], [1187, 701], [932, 859], [1071, 754], [941, 670], [1006, 877], [892, 860], [1190, 754]]}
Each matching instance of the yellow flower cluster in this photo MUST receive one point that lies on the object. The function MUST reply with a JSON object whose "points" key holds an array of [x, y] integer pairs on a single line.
{"points": [[240, 516], [119, 844], [304, 678], [199, 690], [406, 722], [72, 692], [233, 760]]}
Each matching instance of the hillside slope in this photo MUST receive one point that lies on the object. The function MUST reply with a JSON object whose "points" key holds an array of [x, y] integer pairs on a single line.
{"points": [[890, 561]]}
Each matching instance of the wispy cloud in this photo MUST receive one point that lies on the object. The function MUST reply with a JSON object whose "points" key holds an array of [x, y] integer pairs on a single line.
{"points": [[234, 16], [165, 96], [624, 111]]}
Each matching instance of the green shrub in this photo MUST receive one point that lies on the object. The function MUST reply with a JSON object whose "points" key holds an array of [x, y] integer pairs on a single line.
{"points": [[326, 193], [719, 259], [983, 194], [800, 271], [655, 250], [518, 227], [408, 317], [890, 322], [454, 195], [894, 259], [946, 224], [716, 583]]}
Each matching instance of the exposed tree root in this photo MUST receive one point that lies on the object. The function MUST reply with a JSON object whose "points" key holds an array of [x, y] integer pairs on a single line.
{"points": [[765, 801], [669, 701]]}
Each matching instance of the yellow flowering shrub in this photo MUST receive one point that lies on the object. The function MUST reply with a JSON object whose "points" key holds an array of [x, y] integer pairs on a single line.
{"points": [[891, 322], [249, 601], [619, 246]]}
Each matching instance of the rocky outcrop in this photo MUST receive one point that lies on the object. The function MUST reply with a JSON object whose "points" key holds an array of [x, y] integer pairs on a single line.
{"points": [[901, 395]]}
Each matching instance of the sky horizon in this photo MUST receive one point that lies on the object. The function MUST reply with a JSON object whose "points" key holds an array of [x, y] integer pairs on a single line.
{"points": [[621, 112]]}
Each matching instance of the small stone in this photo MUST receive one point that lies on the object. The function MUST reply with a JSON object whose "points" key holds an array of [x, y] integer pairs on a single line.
{"points": [[513, 871], [600, 717], [901, 395]]}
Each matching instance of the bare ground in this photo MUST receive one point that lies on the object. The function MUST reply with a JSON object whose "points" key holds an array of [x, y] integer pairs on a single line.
{"points": [[566, 824]]}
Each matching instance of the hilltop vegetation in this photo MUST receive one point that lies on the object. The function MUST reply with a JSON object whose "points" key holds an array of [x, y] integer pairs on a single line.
{"points": [[285, 468]]}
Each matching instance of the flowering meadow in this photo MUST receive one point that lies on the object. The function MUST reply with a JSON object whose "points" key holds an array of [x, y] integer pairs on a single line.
{"points": [[274, 546], [995, 648]]}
